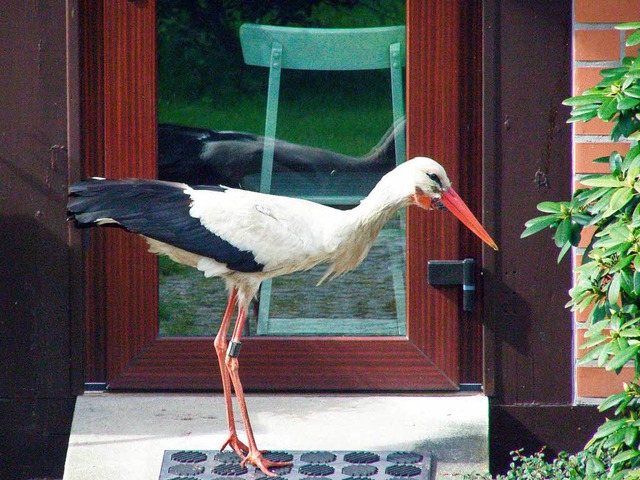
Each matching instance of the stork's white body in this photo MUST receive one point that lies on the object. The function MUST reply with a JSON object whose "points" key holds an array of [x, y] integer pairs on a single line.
{"points": [[285, 234]]}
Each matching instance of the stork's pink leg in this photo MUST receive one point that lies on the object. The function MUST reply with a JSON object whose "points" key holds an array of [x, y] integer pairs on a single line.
{"points": [[254, 456], [221, 345]]}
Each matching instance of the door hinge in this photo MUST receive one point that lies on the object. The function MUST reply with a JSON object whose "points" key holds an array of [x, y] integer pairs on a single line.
{"points": [[455, 272]]}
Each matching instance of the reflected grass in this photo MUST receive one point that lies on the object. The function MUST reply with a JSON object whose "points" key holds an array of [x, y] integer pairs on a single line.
{"points": [[350, 119], [346, 112]]}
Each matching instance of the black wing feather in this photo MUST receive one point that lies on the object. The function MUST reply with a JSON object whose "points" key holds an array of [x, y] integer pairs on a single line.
{"points": [[158, 210]]}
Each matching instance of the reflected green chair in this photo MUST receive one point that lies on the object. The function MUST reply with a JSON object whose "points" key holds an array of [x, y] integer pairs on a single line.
{"points": [[323, 49]]}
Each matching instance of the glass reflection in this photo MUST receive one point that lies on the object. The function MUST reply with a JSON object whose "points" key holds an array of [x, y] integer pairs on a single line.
{"points": [[335, 134]]}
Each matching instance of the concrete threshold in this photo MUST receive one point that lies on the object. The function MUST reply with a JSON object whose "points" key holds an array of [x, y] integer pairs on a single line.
{"points": [[123, 436]]}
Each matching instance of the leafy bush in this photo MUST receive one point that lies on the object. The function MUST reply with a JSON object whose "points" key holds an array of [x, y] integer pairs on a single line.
{"points": [[535, 467], [608, 283]]}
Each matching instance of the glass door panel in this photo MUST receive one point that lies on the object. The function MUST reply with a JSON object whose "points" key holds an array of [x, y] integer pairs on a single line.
{"points": [[333, 128]]}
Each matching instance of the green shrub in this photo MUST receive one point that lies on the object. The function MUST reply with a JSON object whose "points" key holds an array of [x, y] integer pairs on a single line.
{"points": [[608, 283]]}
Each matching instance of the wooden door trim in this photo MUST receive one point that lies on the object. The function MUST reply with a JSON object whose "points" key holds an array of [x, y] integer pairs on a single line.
{"points": [[288, 364], [427, 359]]}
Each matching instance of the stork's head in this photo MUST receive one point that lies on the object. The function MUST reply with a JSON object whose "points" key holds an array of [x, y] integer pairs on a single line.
{"points": [[432, 188]]}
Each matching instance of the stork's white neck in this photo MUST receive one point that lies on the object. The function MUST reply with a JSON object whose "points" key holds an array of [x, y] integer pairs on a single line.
{"points": [[378, 207], [364, 222]]}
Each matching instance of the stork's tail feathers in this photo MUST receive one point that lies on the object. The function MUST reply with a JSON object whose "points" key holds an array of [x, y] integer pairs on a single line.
{"points": [[98, 201]]}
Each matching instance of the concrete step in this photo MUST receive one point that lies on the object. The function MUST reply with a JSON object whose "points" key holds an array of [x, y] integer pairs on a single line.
{"points": [[124, 436]]}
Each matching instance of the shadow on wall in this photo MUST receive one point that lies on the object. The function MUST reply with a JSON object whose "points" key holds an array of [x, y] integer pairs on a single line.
{"points": [[36, 402]]}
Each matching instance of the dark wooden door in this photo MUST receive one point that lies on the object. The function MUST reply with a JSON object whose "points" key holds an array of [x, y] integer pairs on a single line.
{"points": [[442, 347]]}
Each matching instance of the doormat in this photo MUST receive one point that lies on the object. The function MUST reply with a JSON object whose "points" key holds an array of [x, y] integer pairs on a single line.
{"points": [[307, 465]]}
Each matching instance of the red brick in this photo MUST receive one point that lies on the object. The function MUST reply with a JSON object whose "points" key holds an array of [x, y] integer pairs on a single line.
{"points": [[594, 45], [594, 126], [584, 78], [585, 153], [606, 11], [599, 383], [585, 237], [577, 261], [582, 317]]}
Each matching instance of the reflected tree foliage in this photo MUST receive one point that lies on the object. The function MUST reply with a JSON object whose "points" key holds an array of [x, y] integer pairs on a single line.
{"points": [[201, 37]]}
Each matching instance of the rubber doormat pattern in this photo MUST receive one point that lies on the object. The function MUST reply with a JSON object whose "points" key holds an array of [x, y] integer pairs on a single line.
{"points": [[307, 465]]}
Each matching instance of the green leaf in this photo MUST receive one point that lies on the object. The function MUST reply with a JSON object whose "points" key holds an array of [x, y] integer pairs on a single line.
{"points": [[581, 100], [630, 309], [630, 436], [550, 207], [608, 73], [625, 456], [597, 326], [581, 218], [615, 439], [619, 199], [592, 342], [583, 303], [618, 232], [617, 248], [597, 314], [612, 401], [591, 355], [620, 359], [538, 224], [627, 103], [632, 154], [625, 474], [633, 91], [583, 117], [615, 163], [634, 39], [627, 26], [601, 181], [595, 465], [609, 427], [563, 251], [563, 232], [627, 123], [623, 405], [591, 108], [622, 264], [627, 277], [614, 289], [587, 196], [608, 109], [630, 332]]}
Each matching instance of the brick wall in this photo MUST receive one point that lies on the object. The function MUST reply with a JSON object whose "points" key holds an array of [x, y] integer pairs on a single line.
{"points": [[596, 45]]}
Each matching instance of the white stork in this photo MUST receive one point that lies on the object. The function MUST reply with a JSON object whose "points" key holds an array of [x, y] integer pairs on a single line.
{"points": [[247, 237]]}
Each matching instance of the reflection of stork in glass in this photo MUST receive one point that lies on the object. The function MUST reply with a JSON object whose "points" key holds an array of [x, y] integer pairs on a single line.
{"points": [[199, 156], [247, 237]]}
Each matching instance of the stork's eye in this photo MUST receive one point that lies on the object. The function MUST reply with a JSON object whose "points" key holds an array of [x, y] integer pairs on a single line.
{"points": [[435, 178]]}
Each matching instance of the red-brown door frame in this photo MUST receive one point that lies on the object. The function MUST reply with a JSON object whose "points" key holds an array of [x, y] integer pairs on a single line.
{"points": [[120, 141]]}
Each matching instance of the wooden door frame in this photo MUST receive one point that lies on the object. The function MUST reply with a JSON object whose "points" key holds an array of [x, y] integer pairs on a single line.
{"points": [[118, 103]]}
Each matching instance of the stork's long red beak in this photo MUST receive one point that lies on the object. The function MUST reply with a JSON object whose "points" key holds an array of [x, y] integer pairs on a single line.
{"points": [[456, 205]]}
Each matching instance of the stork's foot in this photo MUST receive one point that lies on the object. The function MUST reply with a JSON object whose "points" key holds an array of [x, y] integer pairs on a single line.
{"points": [[239, 447], [257, 459]]}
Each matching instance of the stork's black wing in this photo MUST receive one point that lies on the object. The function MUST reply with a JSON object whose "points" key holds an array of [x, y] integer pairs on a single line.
{"points": [[155, 209]]}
